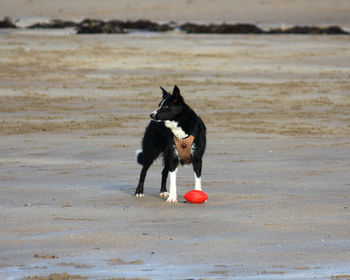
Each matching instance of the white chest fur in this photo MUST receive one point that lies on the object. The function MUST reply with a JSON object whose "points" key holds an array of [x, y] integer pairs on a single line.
{"points": [[176, 129]]}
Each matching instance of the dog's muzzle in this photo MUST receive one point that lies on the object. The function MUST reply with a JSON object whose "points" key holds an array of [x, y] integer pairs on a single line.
{"points": [[154, 117]]}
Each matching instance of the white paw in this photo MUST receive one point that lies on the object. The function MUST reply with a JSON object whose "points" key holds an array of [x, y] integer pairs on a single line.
{"points": [[139, 195], [172, 199], [164, 194]]}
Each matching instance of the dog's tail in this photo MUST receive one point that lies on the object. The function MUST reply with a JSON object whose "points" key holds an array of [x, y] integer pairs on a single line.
{"points": [[139, 156]]}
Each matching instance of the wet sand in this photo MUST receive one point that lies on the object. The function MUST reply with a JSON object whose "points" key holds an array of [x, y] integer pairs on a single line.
{"points": [[73, 110]]}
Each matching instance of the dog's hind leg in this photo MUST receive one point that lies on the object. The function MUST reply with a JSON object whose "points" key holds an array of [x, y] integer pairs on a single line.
{"points": [[139, 189], [163, 190]]}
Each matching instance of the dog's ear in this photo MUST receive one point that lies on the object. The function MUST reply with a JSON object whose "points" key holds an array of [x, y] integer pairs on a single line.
{"points": [[176, 90], [177, 96], [165, 93]]}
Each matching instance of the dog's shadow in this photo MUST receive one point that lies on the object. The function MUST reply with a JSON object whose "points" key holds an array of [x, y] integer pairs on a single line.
{"points": [[129, 191], [124, 188]]}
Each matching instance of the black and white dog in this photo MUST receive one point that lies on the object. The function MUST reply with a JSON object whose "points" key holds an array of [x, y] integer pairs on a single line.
{"points": [[180, 135]]}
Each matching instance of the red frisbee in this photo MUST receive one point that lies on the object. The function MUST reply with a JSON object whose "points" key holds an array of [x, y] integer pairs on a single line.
{"points": [[196, 196]]}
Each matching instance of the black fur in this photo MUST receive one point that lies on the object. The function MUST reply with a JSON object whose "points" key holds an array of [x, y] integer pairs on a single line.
{"points": [[159, 139]]}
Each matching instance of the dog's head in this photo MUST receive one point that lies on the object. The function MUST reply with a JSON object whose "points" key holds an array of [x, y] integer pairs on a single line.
{"points": [[169, 107]]}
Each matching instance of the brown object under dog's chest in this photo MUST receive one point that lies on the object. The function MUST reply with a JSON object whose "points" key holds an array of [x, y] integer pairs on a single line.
{"points": [[183, 147]]}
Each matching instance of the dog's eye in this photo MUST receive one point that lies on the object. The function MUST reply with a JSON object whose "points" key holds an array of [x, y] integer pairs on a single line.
{"points": [[165, 107]]}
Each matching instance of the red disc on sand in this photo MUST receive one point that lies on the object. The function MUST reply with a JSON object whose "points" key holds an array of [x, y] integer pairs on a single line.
{"points": [[196, 196]]}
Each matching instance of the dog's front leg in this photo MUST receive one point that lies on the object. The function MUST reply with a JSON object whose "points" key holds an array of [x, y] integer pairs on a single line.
{"points": [[172, 189], [197, 167]]}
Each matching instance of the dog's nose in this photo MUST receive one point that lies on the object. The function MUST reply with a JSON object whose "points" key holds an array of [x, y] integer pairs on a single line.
{"points": [[152, 116]]}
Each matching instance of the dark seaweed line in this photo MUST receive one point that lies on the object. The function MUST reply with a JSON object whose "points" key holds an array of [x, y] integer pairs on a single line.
{"points": [[95, 26]]}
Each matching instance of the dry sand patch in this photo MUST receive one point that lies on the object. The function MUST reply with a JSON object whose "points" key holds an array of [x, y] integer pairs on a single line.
{"points": [[98, 79]]}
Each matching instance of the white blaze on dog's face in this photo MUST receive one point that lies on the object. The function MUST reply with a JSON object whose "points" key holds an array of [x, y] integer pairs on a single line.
{"points": [[153, 115], [169, 107]]}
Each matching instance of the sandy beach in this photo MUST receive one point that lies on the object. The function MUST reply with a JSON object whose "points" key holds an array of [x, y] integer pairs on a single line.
{"points": [[73, 110], [268, 12]]}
